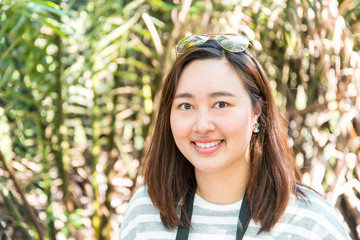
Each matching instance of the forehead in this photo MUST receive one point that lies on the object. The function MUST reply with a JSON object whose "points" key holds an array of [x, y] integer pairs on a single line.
{"points": [[211, 75]]}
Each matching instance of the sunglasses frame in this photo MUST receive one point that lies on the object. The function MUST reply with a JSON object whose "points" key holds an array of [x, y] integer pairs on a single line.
{"points": [[182, 48]]}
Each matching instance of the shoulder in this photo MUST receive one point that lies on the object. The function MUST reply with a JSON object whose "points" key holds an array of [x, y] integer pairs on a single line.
{"points": [[139, 205], [314, 213], [139, 201], [306, 217], [313, 203], [140, 196], [142, 219]]}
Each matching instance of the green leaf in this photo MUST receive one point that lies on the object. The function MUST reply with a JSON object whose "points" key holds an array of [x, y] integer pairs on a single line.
{"points": [[10, 48], [115, 34], [76, 219], [45, 7], [23, 226], [132, 5]]}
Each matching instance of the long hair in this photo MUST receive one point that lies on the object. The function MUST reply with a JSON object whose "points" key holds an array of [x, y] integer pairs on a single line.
{"points": [[170, 177]]}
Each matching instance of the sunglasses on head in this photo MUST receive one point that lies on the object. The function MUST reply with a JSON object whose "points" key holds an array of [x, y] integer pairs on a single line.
{"points": [[230, 42]]}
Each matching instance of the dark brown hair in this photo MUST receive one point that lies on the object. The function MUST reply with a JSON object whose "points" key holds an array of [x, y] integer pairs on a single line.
{"points": [[170, 177]]}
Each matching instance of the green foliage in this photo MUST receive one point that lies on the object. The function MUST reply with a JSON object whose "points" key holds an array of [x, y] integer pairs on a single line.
{"points": [[79, 85], [15, 214]]}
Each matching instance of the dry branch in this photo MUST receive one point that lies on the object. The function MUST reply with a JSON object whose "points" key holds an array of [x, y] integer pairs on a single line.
{"points": [[29, 209]]}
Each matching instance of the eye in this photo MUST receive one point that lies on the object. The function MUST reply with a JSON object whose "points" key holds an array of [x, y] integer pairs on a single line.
{"points": [[185, 106], [221, 105]]}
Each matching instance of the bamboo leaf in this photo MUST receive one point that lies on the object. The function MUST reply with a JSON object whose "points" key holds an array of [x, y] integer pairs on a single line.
{"points": [[45, 7], [118, 31], [24, 228], [10, 48], [133, 5], [140, 65]]}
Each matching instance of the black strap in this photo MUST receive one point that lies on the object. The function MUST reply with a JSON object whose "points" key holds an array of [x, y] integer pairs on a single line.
{"points": [[243, 222], [244, 218], [183, 231]]}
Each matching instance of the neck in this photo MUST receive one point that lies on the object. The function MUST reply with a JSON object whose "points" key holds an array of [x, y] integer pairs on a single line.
{"points": [[224, 188]]}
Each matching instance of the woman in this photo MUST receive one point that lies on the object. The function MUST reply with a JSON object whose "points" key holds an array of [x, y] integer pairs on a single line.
{"points": [[219, 165]]}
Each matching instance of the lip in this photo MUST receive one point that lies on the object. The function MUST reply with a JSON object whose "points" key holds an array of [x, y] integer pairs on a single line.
{"points": [[206, 140], [208, 150]]}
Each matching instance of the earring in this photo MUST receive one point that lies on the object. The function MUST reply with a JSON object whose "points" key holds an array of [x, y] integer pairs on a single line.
{"points": [[256, 127]]}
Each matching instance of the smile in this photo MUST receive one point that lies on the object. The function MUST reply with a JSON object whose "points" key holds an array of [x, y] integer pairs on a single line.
{"points": [[207, 145]]}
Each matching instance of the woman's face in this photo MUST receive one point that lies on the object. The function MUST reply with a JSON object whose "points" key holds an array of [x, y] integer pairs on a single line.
{"points": [[212, 117]]}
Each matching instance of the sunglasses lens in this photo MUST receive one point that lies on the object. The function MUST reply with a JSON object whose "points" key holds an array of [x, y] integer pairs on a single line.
{"points": [[233, 43], [191, 41]]}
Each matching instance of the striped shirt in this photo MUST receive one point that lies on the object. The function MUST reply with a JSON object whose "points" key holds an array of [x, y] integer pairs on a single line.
{"points": [[310, 218]]}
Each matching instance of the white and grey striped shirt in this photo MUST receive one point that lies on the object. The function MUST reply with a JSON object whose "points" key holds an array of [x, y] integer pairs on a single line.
{"points": [[311, 218]]}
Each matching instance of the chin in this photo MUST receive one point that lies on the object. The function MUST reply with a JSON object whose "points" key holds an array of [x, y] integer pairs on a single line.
{"points": [[208, 169]]}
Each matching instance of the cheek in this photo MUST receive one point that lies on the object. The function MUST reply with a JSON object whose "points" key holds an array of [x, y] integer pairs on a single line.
{"points": [[239, 124], [177, 126]]}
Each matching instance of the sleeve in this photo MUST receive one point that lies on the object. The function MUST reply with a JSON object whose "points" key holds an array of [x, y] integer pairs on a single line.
{"points": [[327, 222], [130, 222]]}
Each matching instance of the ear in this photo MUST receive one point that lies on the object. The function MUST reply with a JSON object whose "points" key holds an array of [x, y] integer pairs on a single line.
{"points": [[258, 107]]}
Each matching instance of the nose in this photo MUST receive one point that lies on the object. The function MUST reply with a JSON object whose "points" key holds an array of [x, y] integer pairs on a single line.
{"points": [[204, 123]]}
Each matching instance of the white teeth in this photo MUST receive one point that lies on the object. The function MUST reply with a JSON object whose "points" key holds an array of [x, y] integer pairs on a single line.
{"points": [[207, 145]]}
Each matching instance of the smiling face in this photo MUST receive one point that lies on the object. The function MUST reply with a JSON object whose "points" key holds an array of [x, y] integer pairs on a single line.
{"points": [[212, 118]]}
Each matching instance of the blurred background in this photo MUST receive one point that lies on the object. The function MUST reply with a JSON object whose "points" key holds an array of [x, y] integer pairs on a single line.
{"points": [[79, 90]]}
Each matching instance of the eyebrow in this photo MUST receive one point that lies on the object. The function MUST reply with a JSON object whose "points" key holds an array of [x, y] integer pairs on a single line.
{"points": [[221, 94], [184, 95], [211, 95]]}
